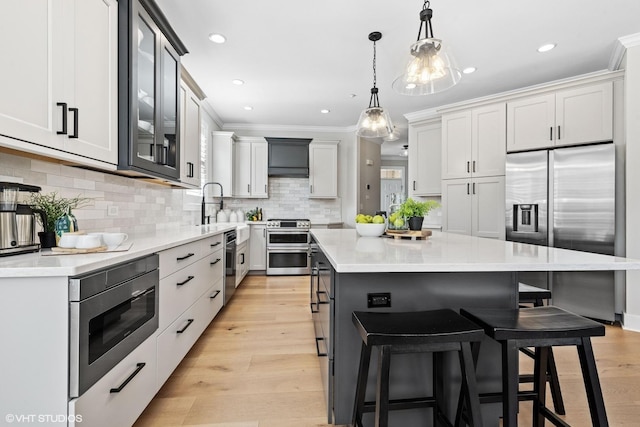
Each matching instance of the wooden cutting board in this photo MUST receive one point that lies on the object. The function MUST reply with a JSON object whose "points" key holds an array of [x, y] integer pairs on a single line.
{"points": [[408, 234]]}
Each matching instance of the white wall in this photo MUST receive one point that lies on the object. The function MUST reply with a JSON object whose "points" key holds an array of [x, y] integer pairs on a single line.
{"points": [[632, 128]]}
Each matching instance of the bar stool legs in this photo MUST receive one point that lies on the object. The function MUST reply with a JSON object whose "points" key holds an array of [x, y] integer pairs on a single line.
{"points": [[434, 332], [541, 328]]}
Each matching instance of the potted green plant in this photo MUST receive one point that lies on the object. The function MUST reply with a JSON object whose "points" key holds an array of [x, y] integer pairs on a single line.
{"points": [[52, 207], [415, 211]]}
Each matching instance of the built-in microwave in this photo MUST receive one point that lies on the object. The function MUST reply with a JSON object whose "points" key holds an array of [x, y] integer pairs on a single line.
{"points": [[111, 312]]}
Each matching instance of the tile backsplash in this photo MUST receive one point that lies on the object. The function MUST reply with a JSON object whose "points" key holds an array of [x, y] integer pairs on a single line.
{"points": [[142, 206]]}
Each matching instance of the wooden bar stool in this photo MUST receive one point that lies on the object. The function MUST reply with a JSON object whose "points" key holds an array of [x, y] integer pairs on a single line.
{"points": [[542, 328], [435, 331], [528, 294]]}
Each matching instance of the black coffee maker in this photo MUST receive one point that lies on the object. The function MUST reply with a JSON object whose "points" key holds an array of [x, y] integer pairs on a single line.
{"points": [[17, 221]]}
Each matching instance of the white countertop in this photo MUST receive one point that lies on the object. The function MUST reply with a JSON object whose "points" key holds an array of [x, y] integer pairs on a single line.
{"points": [[447, 252], [39, 265]]}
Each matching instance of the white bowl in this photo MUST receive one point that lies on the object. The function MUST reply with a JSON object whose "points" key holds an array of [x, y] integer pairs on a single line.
{"points": [[370, 230]]}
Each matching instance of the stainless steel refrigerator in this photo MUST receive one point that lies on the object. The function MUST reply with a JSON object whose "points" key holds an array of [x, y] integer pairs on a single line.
{"points": [[565, 198]]}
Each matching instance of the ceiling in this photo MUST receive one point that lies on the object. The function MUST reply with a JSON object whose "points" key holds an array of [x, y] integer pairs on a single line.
{"points": [[297, 57]]}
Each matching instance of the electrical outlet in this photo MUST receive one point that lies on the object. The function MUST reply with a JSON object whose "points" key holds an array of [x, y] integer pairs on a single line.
{"points": [[112, 210], [379, 300]]}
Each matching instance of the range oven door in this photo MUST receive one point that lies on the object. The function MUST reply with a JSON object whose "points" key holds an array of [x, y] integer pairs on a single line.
{"points": [[288, 260], [106, 327], [288, 237]]}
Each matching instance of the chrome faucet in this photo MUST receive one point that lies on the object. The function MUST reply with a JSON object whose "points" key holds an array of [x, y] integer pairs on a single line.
{"points": [[202, 209]]}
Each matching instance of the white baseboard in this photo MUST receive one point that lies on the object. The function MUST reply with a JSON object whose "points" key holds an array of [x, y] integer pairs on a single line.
{"points": [[631, 322]]}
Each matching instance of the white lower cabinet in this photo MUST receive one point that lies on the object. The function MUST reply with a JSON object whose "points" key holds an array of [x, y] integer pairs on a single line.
{"points": [[119, 397], [190, 297], [474, 206], [242, 261], [176, 341], [258, 247]]}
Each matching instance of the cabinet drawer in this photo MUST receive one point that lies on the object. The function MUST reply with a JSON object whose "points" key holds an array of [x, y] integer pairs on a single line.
{"points": [[181, 289], [212, 244], [179, 257], [174, 343], [101, 405]]}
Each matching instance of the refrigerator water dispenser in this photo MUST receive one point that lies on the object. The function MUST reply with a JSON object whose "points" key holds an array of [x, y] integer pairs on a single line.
{"points": [[525, 218]]}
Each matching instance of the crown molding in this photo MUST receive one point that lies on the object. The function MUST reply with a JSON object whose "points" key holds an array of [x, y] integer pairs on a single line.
{"points": [[596, 76], [620, 48], [288, 128], [212, 113], [415, 116]]}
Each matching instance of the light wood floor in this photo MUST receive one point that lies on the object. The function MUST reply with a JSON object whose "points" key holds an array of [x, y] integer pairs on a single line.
{"points": [[256, 366]]}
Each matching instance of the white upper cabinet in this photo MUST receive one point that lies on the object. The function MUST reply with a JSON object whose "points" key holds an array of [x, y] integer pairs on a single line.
{"points": [[222, 156], [250, 168], [474, 206], [424, 159], [456, 145], [189, 137], [473, 142], [60, 89], [323, 169], [577, 115]]}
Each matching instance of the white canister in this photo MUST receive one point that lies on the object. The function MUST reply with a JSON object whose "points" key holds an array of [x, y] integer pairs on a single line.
{"points": [[241, 217], [233, 217], [221, 217]]}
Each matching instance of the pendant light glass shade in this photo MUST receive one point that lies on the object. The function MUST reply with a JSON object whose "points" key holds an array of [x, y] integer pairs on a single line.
{"points": [[375, 121], [431, 68]]}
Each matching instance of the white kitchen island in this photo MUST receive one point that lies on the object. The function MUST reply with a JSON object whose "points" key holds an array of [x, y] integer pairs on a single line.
{"points": [[446, 270]]}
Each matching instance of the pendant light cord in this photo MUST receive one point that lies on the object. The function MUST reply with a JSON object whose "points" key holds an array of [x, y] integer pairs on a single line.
{"points": [[373, 100], [374, 63], [425, 19]]}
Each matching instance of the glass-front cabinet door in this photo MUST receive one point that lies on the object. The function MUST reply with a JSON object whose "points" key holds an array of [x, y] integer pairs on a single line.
{"points": [[149, 142], [145, 127]]}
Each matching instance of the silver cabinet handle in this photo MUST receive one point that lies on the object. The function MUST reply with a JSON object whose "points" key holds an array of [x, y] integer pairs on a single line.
{"points": [[474, 166], [468, 167], [474, 188], [248, 188], [551, 133], [311, 189], [468, 188], [558, 131]]}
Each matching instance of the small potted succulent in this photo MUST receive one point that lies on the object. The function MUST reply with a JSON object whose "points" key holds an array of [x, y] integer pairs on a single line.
{"points": [[52, 208], [415, 211]]}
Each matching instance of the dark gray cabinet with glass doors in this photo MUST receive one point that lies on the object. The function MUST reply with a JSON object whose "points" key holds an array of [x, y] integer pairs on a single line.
{"points": [[149, 82]]}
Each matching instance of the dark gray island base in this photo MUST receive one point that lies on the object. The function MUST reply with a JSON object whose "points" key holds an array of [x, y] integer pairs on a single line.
{"points": [[410, 373], [444, 271]]}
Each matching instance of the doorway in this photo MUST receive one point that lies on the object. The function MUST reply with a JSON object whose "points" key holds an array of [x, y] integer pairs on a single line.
{"points": [[392, 180]]}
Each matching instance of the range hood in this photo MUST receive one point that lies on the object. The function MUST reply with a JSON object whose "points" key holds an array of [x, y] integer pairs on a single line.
{"points": [[289, 157]]}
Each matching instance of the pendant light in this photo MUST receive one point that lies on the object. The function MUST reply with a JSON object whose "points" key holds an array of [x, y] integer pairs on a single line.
{"points": [[375, 121], [431, 68]]}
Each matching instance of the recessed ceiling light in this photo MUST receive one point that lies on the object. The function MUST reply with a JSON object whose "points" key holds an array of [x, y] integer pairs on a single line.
{"points": [[325, 111], [248, 108], [352, 95], [546, 47], [410, 86], [469, 70], [237, 82], [217, 38]]}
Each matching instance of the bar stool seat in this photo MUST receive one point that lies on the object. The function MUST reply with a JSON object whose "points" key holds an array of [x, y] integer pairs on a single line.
{"points": [[532, 294], [542, 328], [528, 294], [434, 331]]}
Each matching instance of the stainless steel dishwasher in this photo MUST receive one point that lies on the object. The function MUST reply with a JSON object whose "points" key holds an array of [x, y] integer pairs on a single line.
{"points": [[230, 265]]}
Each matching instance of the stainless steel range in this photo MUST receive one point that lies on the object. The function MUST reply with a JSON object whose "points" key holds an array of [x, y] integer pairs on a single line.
{"points": [[288, 246]]}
